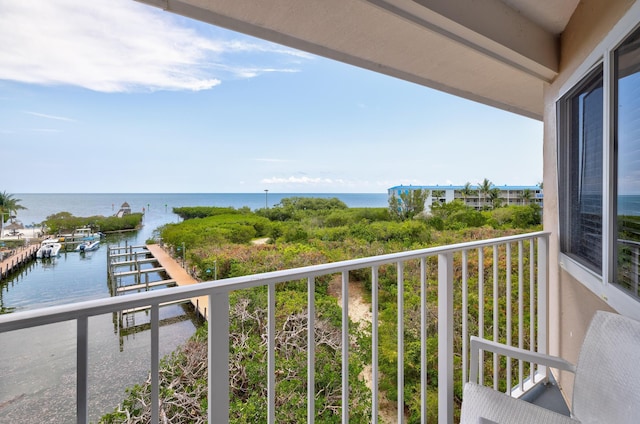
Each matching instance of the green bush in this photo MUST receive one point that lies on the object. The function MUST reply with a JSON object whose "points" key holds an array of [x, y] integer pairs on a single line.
{"points": [[454, 216], [298, 208], [190, 212], [217, 229], [65, 222], [515, 216]]}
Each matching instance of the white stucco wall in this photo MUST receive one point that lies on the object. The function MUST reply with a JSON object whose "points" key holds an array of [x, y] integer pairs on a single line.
{"points": [[571, 305]]}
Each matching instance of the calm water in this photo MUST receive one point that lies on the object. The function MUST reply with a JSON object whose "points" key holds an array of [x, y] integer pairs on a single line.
{"points": [[37, 366], [629, 205], [158, 206]]}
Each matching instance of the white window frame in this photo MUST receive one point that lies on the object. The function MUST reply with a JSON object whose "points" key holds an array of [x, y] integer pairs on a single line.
{"points": [[603, 54]]}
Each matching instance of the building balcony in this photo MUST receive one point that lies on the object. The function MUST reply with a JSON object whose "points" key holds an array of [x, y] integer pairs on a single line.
{"points": [[496, 289]]}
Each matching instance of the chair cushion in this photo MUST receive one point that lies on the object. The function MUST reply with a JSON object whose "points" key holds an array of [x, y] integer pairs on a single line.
{"points": [[606, 388], [483, 404]]}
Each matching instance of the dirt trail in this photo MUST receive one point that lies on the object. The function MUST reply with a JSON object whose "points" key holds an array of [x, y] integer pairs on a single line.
{"points": [[360, 312]]}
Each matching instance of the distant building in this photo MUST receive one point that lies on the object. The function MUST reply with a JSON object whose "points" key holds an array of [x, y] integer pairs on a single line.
{"points": [[509, 195]]}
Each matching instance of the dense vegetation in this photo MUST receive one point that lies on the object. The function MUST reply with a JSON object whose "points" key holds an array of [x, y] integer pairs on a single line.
{"points": [[628, 239], [65, 222], [301, 232]]}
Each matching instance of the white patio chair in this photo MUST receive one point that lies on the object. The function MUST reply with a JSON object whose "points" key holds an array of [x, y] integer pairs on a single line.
{"points": [[606, 387]]}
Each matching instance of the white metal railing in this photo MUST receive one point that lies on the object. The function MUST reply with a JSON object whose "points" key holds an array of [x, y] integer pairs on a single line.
{"points": [[450, 281]]}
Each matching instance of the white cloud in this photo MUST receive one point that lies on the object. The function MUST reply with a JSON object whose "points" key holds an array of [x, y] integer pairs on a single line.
{"points": [[240, 71], [45, 130], [310, 184], [42, 115], [300, 180], [271, 160], [313, 181], [244, 46], [115, 46]]}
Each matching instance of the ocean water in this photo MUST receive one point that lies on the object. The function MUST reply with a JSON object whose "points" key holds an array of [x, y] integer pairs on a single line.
{"points": [[37, 366], [159, 205], [629, 205]]}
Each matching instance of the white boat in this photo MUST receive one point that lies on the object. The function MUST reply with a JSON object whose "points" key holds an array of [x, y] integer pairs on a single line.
{"points": [[88, 246], [49, 248], [84, 234]]}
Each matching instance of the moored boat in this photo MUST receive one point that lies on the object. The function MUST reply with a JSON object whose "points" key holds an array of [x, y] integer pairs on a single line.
{"points": [[81, 234], [85, 234], [88, 246], [49, 248]]}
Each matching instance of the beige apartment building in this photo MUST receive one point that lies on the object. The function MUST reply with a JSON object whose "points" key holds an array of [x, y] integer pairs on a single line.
{"points": [[508, 195]]}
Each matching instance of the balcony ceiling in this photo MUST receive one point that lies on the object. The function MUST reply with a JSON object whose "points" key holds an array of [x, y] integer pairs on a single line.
{"points": [[497, 52]]}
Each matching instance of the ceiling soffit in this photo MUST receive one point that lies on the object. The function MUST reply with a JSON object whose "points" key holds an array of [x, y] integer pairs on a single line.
{"points": [[481, 50]]}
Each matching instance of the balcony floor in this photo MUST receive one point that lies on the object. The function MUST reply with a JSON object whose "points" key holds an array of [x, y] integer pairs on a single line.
{"points": [[549, 397]]}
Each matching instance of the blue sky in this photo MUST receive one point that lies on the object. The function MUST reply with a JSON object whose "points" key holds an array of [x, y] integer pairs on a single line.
{"points": [[116, 96]]}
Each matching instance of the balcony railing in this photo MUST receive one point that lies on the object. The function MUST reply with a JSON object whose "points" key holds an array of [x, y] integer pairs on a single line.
{"points": [[507, 276]]}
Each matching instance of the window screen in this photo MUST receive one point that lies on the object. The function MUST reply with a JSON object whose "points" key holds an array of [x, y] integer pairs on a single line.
{"points": [[580, 162]]}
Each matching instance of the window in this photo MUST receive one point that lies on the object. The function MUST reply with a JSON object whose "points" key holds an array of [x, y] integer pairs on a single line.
{"points": [[580, 156], [599, 172], [627, 163]]}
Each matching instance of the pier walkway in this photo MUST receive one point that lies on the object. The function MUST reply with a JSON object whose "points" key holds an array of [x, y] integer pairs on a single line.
{"points": [[180, 275], [16, 258]]}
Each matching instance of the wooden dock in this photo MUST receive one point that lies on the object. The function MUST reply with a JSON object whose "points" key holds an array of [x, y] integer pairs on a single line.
{"points": [[17, 259], [134, 257], [180, 275]]}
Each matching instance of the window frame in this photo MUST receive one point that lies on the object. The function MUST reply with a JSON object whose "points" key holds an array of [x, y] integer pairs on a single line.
{"points": [[602, 55], [565, 151]]}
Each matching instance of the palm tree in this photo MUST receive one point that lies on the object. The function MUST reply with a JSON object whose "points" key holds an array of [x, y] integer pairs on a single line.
{"points": [[9, 205], [467, 191], [495, 197], [438, 194], [526, 196], [484, 188]]}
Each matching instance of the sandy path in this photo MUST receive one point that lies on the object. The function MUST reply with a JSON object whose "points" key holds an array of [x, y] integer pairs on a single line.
{"points": [[359, 309], [360, 312]]}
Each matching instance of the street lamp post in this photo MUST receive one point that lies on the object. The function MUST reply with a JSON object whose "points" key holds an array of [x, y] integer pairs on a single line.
{"points": [[266, 202]]}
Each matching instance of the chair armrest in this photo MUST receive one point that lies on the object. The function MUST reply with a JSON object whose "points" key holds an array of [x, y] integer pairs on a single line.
{"points": [[478, 344]]}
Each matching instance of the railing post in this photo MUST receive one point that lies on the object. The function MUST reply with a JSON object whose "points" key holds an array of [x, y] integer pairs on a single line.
{"points": [[445, 338], [271, 355], [311, 350], [345, 347], [400, 365], [219, 357], [423, 340], [634, 263], [374, 345], [543, 296], [82, 357], [155, 364]]}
